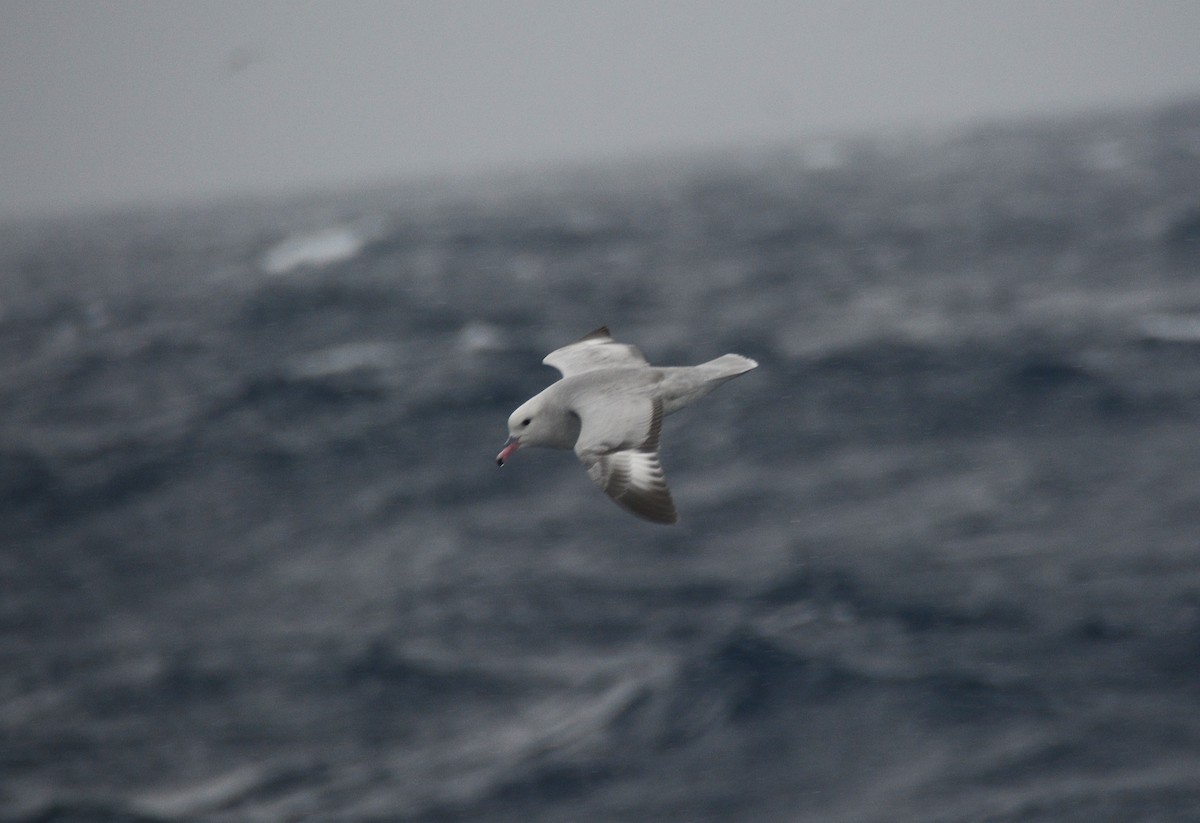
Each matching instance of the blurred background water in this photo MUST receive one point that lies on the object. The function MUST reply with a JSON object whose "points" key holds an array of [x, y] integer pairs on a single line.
{"points": [[938, 557]]}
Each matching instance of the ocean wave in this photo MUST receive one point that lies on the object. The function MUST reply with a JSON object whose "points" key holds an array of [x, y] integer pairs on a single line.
{"points": [[1182, 329], [318, 300], [26, 480], [316, 249], [83, 811], [242, 786], [941, 389], [844, 592], [381, 666], [743, 678], [346, 358], [60, 489]]}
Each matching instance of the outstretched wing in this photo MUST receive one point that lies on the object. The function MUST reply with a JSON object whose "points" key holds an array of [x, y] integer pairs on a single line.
{"points": [[595, 351], [618, 444]]}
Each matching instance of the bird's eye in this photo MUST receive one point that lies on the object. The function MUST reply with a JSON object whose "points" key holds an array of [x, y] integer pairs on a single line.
{"points": [[526, 421]]}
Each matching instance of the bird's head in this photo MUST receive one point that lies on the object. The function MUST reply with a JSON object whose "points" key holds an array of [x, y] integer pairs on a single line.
{"points": [[526, 427]]}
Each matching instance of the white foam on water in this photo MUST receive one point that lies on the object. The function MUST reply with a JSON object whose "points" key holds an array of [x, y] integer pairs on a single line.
{"points": [[314, 249], [1166, 328]]}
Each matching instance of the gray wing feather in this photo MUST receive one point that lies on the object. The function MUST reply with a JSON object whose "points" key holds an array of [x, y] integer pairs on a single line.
{"points": [[594, 351], [631, 474]]}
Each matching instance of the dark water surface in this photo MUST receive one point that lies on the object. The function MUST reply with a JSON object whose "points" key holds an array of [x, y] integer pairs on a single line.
{"points": [[939, 557]]}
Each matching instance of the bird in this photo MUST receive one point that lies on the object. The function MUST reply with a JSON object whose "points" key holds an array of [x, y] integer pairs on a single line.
{"points": [[609, 407]]}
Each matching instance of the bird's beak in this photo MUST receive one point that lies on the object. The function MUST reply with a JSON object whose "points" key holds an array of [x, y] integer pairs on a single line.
{"points": [[510, 445]]}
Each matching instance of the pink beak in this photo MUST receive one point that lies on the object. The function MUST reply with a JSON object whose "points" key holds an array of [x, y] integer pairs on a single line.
{"points": [[510, 446]]}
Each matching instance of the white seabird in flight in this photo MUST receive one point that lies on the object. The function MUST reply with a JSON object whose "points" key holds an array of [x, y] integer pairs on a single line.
{"points": [[609, 407]]}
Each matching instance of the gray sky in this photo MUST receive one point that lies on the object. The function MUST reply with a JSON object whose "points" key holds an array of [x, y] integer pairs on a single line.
{"points": [[106, 101]]}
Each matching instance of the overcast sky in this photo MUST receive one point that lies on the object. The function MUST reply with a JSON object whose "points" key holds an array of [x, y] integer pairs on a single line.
{"points": [[111, 101]]}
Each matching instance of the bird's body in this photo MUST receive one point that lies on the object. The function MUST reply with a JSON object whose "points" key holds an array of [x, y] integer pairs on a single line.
{"points": [[609, 407]]}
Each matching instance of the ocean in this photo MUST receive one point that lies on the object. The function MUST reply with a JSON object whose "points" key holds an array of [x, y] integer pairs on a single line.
{"points": [[938, 558]]}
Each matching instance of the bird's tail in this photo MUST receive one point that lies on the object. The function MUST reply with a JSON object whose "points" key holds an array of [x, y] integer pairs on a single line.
{"points": [[728, 365]]}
